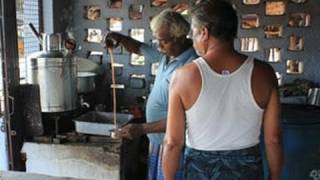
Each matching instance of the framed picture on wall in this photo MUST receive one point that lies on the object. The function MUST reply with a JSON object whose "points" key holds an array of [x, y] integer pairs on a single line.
{"points": [[250, 21], [294, 66], [273, 55], [94, 35], [92, 12], [299, 20], [273, 31], [275, 8], [137, 60], [249, 44], [135, 11], [115, 23], [137, 34], [296, 43]]}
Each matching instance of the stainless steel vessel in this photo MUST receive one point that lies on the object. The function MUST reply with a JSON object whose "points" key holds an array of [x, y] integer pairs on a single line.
{"points": [[55, 71], [86, 82], [100, 123]]}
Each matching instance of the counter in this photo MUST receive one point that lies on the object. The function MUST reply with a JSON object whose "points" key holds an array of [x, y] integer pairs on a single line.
{"points": [[100, 158], [14, 175], [88, 161]]}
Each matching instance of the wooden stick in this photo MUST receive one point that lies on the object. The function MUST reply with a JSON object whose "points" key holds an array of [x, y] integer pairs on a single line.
{"points": [[114, 97]]}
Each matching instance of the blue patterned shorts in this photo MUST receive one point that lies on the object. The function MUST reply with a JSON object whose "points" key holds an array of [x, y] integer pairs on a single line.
{"points": [[244, 164]]}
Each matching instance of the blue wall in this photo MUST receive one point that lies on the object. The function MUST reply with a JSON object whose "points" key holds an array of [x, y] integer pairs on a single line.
{"points": [[311, 53], [70, 15]]}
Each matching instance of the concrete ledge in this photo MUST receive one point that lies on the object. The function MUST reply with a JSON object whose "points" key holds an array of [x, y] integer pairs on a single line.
{"points": [[87, 161], [15, 175]]}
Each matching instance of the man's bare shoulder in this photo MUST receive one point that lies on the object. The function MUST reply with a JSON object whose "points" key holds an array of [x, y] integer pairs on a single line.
{"points": [[187, 84], [263, 82], [190, 67], [263, 72], [188, 71], [263, 66], [185, 76]]}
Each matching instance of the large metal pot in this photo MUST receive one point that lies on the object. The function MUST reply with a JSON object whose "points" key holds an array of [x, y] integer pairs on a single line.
{"points": [[56, 73], [86, 82]]}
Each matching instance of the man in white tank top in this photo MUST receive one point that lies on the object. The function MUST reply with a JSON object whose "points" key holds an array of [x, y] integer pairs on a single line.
{"points": [[218, 104]]}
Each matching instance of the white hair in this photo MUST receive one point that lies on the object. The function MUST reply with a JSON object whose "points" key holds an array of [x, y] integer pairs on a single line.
{"points": [[178, 26]]}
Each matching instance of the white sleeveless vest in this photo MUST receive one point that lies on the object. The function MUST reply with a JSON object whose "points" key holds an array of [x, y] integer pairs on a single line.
{"points": [[225, 115]]}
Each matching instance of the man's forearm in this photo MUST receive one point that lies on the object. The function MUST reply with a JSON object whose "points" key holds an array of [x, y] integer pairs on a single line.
{"points": [[155, 127], [170, 159], [275, 159], [134, 130]]}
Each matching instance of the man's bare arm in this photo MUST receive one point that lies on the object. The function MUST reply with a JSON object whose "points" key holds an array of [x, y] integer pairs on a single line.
{"points": [[127, 42], [174, 138], [133, 130], [272, 135]]}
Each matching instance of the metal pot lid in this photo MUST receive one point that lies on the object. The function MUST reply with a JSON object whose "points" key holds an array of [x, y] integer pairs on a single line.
{"points": [[86, 74]]}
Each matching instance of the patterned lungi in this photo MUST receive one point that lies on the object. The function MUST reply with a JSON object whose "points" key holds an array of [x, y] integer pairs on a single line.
{"points": [[244, 164]]}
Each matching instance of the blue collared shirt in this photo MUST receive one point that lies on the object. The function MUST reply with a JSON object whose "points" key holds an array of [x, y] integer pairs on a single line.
{"points": [[157, 104]]}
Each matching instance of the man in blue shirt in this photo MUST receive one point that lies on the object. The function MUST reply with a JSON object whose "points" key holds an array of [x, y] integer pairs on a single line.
{"points": [[174, 50]]}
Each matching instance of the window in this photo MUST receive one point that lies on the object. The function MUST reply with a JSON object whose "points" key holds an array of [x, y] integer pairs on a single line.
{"points": [[27, 11]]}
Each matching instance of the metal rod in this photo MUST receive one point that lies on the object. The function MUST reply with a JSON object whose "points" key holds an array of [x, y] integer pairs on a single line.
{"points": [[35, 32]]}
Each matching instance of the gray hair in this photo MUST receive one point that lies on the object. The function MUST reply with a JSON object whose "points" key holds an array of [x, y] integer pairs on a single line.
{"points": [[177, 24], [218, 16]]}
